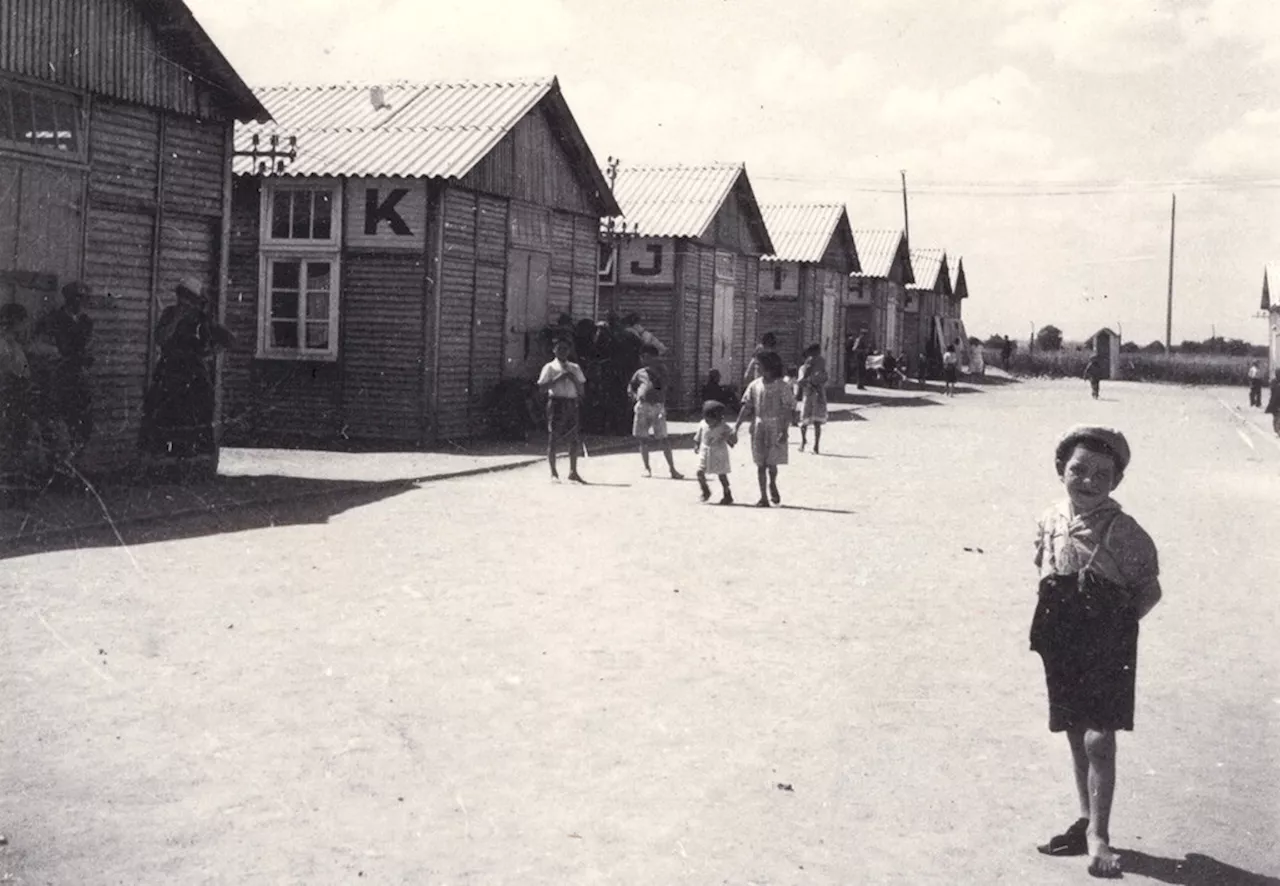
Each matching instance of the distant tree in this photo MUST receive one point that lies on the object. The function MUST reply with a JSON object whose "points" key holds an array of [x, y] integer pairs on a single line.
{"points": [[995, 341], [1049, 338], [1130, 347], [1189, 347], [974, 341], [1155, 347]]}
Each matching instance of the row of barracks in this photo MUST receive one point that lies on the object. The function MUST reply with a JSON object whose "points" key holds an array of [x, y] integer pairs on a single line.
{"points": [[399, 263]]}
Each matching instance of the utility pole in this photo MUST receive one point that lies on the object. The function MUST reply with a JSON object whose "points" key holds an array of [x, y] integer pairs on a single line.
{"points": [[906, 219], [1168, 316]]}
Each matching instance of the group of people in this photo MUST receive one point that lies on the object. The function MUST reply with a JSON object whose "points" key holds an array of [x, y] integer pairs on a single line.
{"points": [[768, 407], [46, 403], [46, 394]]}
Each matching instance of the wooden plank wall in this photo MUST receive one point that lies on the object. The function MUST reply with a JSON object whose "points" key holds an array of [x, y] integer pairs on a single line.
{"points": [[382, 349], [138, 248], [489, 312], [585, 292], [102, 46], [453, 338], [270, 400]]}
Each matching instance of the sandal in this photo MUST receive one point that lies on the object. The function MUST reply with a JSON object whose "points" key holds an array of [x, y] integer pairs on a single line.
{"points": [[1069, 842]]}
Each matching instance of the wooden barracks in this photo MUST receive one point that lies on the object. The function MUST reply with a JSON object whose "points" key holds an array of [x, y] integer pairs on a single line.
{"points": [[115, 157], [403, 264]]}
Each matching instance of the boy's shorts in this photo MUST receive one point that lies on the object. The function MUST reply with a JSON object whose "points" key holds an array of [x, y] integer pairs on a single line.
{"points": [[650, 417]]}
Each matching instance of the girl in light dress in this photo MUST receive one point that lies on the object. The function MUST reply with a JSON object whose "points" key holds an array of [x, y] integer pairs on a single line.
{"points": [[768, 404], [711, 442], [812, 390]]}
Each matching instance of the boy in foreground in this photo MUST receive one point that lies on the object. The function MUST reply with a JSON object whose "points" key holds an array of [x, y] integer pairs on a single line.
{"points": [[648, 388], [562, 382], [1099, 575]]}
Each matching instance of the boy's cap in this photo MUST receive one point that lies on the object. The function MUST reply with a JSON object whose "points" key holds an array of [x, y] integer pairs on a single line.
{"points": [[710, 406], [1108, 437]]}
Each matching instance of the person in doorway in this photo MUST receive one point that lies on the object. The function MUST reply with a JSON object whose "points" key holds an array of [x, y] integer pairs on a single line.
{"points": [[811, 388], [1093, 371], [768, 405], [70, 399], [1256, 380], [177, 412], [711, 442], [1273, 403], [563, 383], [768, 344], [648, 389], [714, 390], [950, 370], [1099, 575], [859, 352]]}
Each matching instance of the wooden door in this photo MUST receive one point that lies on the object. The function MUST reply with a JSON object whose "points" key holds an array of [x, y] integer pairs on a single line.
{"points": [[827, 339], [528, 275], [722, 332]]}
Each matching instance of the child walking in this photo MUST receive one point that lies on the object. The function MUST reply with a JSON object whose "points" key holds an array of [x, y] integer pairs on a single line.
{"points": [[950, 370], [812, 385], [768, 404], [562, 382], [711, 442], [648, 388], [1093, 372], [1099, 574]]}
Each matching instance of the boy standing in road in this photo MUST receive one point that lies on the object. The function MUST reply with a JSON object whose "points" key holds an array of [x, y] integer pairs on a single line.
{"points": [[1099, 574], [562, 382], [648, 388], [1093, 372]]}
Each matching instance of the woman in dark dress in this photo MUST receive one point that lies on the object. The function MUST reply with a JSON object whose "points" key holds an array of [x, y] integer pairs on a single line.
{"points": [[177, 414]]}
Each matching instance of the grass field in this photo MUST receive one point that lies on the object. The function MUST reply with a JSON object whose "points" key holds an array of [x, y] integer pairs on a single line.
{"points": [[1187, 369]]}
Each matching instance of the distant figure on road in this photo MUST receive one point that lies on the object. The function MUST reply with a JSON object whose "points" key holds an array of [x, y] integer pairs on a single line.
{"points": [[1099, 575], [711, 442], [1257, 378], [811, 386], [1006, 352], [648, 388], [950, 370], [562, 382], [768, 404], [1094, 372], [1273, 403]]}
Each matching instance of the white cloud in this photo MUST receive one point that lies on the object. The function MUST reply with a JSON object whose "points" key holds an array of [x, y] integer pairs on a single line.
{"points": [[1255, 23], [1103, 36], [1005, 91], [1247, 148], [792, 75]]}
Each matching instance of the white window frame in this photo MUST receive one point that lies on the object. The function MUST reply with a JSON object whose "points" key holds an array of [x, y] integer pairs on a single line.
{"points": [[266, 351], [272, 249]]}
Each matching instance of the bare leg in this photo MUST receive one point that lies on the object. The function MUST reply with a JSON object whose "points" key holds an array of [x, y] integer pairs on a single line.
{"points": [[804, 437], [644, 456], [727, 498], [1080, 763], [817, 438], [574, 447], [773, 485], [702, 484], [762, 475], [671, 462], [551, 453], [1100, 747]]}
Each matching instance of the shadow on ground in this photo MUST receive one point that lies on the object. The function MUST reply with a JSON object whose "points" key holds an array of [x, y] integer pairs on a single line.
{"points": [[232, 504], [1194, 870]]}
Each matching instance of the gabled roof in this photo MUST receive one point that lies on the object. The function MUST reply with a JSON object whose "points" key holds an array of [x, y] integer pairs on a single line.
{"points": [[961, 288], [433, 130], [178, 31], [803, 231], [1270, 271], [929, 267], [878, 250], [682, 201]]}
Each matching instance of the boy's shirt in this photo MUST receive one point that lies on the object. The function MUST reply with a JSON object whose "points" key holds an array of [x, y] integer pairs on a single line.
{"points": [[1065, 544], [648, 385], [564, 372]]}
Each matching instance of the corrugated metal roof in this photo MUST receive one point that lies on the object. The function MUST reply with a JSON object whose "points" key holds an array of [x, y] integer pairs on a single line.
{"points": [[876, 251], [926, 266], [674, 201], [438, 129], [1270, 286], [179, 26], [801, 232]]}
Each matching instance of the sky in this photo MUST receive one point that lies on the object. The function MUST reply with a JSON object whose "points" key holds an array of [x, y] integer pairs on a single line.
{"points": [[1042, 140]]}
